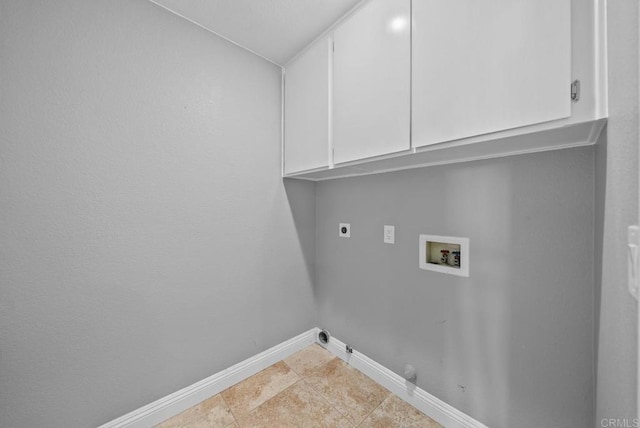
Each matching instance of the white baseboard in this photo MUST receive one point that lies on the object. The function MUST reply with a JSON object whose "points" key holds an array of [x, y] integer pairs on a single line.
{"points": [[166, 407], [181, 400], [431, 406]]}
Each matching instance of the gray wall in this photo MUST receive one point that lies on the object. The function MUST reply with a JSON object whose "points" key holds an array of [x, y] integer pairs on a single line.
{"points": [[512, 345], [147, 237], [617, 201]]}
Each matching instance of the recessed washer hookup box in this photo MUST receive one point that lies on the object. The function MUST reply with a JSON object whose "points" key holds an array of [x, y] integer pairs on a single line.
{"points": [[444, 254]]}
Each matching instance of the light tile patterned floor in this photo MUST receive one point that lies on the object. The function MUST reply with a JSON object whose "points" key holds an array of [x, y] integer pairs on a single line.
{"points": [[312, 388]]}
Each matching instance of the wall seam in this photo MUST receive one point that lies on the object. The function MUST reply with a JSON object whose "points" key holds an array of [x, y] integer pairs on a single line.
{"points": [[216, 33]]}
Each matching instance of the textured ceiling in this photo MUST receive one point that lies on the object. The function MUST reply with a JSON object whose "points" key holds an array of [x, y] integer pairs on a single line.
{"points": [[275, 29]]}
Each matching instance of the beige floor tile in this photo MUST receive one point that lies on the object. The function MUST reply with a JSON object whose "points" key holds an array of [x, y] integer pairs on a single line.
{"points": [[393, 412], [252, 392], [308, 358], [348, 390], [297, 406], [212, 412]]}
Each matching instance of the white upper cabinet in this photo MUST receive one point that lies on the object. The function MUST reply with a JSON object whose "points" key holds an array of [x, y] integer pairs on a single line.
{"points": [[371, 81], [482, 66], [306, 110], [401, 84]]}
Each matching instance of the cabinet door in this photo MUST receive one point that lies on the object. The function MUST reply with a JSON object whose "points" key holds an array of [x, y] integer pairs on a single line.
{"points": [[481, 66], [371, 81], [306, 105]]}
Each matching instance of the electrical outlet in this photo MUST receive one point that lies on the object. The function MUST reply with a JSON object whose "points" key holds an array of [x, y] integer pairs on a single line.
{"points": [[389, 234], [344, 230]]}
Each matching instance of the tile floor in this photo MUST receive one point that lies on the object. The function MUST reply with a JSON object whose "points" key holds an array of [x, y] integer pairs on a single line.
{"points": [[311, 388]]}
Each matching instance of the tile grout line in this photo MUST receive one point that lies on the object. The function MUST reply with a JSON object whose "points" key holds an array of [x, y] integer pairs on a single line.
{"points": [[320, 394], [278, 393], [303, 381], [325, 399], [375, 408], [310, 368], [300, 379], [389, 394], [358, 424], [233, 415]]}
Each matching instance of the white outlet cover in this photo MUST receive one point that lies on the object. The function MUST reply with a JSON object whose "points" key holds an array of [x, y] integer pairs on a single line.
{"points": [[389, 236], [346, 234]]}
